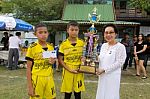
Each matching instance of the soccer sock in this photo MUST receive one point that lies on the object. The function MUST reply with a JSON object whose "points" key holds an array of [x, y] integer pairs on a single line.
{"points": [[67, 95], [77, 95]]}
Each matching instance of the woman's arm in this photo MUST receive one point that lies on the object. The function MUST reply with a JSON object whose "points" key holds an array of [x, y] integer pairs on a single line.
{"points": [[135, 51], [120, 59], [144, 48]]}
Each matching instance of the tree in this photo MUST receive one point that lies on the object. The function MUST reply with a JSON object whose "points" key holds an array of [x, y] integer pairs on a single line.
{"points": [[34, 10], [141, 4]]}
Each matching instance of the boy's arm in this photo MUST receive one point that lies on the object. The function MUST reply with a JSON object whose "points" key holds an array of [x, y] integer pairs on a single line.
{"points": [[60, 59], [29, 78]]}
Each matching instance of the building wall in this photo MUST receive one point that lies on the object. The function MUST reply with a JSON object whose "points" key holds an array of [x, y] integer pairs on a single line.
{"points": [[58, 36], [145, 30]]}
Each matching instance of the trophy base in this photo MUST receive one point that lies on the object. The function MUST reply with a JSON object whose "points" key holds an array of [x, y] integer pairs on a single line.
{"points": [[87, 69]]}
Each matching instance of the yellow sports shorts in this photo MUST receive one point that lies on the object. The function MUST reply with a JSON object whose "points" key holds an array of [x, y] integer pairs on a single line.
{"points": [[72, 82], [44, 87]]}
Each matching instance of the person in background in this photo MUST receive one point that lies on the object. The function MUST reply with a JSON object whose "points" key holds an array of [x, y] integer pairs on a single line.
{"points": [[5, 41], [14, 46], [98, 48], [26, 44], [11, 35], [135, 39], [147, 52], [139, 52], [112, 57], [40, 80], [127, 42], [70, 56], [57, 51]]}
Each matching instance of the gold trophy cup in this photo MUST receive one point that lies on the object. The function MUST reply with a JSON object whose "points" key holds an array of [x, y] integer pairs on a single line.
{"points": [[90, 49]]}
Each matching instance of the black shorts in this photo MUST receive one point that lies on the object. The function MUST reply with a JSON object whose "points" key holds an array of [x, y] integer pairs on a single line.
{"points": [[141, 56]]}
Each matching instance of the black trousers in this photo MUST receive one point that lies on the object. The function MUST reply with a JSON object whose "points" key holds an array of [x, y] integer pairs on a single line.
{"points": [[147, 57], [128, 61], [76, 94]]}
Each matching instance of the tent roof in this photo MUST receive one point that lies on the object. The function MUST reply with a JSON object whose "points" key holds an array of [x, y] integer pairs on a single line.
{"points": [[87, 22]]}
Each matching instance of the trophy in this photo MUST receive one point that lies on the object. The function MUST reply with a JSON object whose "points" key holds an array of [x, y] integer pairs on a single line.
{"points": [[90, 48]]}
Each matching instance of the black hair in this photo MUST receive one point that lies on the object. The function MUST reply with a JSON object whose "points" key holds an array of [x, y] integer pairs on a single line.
{"points": [[72, 23], [126, 33], [5, 33], [148, 35], [18, 33], [39, 25], [143, 38], [10, 35], [110, 25]]}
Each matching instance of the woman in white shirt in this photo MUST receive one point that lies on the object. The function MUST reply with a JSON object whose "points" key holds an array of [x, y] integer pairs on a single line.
{"points": [[112, 57]]}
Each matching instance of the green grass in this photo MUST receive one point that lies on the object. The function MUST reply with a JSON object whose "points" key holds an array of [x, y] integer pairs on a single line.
{"points": [[13, 85]]}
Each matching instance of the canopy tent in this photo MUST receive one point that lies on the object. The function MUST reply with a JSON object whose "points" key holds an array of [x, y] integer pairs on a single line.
{"points": [[10, 23]]}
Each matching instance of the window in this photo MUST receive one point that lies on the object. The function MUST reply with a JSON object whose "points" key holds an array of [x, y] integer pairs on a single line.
{"points": [[77, 1], [123, 4], [90, 1]]}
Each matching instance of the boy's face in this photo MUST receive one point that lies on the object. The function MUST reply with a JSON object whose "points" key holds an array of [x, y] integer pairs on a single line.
{"points": [[42, 33], [73, 31]]}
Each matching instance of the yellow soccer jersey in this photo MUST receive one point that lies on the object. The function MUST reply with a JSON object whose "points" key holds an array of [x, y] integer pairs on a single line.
{"points": [[41, 66], [72, 54]]}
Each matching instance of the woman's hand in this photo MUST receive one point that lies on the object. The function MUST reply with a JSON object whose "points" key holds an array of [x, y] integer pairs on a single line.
{"points": [[136, 57], [135, 54], [100, 71], [52, 60]]}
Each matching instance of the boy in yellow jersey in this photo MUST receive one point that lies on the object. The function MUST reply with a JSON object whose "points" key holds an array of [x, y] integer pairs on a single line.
{"points": [[39, 67], [70, 54]]}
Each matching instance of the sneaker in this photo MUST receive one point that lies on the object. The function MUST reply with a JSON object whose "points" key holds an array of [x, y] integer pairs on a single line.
{"points": [[137, 75], [144, 77]]}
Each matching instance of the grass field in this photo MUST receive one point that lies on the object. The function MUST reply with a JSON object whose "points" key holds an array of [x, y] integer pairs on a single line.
{"points": [[13, 85]]}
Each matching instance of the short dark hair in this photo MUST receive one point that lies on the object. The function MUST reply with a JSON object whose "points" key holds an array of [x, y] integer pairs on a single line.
{"points": [[126, 33], [110, 25], [72, 23], [10, 35], [39, 25], [5, 33], [148, 35], [18, 33]]}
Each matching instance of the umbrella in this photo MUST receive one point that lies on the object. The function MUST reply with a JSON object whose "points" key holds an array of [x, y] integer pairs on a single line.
{"points": [[2, 25], [23, 26], [10, 23]]}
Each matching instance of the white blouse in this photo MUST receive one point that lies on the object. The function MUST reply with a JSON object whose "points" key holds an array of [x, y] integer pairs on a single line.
{"points": [[112, 57]]}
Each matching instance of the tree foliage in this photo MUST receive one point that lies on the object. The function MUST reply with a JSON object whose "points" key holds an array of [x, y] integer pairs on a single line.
{"points": [[141, 4], [34, 10]]}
